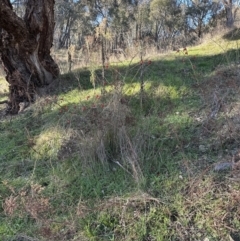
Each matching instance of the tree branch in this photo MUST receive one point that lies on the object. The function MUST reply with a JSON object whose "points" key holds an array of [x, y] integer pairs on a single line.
{"points": [[10, 22]]}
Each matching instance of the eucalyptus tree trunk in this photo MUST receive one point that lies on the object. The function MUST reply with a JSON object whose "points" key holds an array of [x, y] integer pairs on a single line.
{"points": [[229, 12], [25, 45]]}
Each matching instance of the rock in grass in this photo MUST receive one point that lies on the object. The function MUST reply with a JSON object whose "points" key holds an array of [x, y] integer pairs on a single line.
{"points": [[223, 166], [202, 148]]}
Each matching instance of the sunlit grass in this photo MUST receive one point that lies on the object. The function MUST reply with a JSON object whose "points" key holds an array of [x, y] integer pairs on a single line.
{"points": [[49, 142], [3, 89], [115, 163], [213, 46]]}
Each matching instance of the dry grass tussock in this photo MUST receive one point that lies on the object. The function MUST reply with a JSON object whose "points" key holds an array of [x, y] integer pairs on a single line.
{"points": [[218, 117], [102, 135]]}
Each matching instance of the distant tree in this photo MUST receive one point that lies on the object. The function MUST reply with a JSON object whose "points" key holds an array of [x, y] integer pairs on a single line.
{"points": [[169, 20], [199, 14], [72, 21], [25, 44], [121, 23], [229, 12], [228, 6]]}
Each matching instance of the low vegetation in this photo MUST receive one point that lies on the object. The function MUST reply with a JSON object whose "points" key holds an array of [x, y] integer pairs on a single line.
{"points": [[132, 157]]}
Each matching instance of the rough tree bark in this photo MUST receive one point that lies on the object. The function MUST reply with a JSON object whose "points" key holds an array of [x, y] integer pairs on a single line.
{"points": [[25, 45]]}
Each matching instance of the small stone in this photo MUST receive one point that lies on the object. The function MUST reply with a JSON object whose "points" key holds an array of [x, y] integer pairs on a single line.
{"points": [[202, 148]]}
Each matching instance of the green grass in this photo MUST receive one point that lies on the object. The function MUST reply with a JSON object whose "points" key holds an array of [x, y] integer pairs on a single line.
{"points": [[111, 163]]}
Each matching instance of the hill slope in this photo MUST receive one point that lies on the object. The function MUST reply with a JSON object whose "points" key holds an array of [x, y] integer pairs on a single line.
{"points": [[151, 153]]}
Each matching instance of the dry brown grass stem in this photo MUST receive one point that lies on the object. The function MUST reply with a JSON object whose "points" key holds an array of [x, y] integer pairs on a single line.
{"points": [[129, 154], [137, 199]]}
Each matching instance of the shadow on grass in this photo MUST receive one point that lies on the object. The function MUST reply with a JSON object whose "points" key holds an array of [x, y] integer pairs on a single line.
{"points": [[168, 123], [176, 73], [20, 134], [232, 35], [179, 72], [186, 68]]}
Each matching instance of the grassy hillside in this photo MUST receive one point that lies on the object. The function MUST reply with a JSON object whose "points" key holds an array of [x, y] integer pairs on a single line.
{"points": [[116, 162]]}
